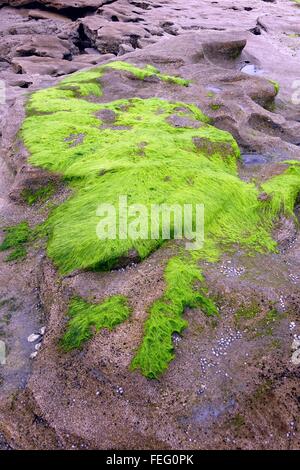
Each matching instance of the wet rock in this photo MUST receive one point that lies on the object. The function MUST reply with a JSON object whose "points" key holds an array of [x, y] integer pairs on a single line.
{"points": [[254, 159], [212, 62]]}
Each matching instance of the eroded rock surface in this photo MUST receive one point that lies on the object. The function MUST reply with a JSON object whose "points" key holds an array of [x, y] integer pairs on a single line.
{"points": [[232, 383]]}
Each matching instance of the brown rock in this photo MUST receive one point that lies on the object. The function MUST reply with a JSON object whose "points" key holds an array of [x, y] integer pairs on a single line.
{"points": [[107, 37], [44, 46], [58, 4], [48, 66]]}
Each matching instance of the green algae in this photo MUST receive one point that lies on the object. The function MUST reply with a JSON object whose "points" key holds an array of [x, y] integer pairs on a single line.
{"points": [[165, 316], [16, 236], [143, 156], [266, 325], [263, 390], [88, 83], [86, 317], [18, 254], [215, 106], [146, 72], [238, 421], [39, 195], [276, 86], [107, 157], [284, 190], [83, 83], [247, 312]]}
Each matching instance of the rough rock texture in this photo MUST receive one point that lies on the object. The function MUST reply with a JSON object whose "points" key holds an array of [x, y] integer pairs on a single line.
{"points": [[119, 26], [232, 383], [59, 5]]}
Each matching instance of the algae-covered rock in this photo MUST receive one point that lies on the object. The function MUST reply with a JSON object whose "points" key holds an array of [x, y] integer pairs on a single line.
{"points": [[145, 340], [144, 153]]}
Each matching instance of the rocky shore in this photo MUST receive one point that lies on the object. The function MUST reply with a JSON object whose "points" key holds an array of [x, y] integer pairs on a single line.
{"points": [[159, 75]]}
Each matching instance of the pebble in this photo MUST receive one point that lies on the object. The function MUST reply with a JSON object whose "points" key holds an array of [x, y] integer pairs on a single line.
{"points": [[37, 346], [33, 355], [42, 330], [296, 344], [33, 337]]}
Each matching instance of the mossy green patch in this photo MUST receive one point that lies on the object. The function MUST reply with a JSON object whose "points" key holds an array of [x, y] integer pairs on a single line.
{"points": [[143, 156], [87, 83], [86, 318], [215, 106], [247, 312], [266, 325], [284, 190], [15, 237], [17, 254], [238, 421], [293, 35], [107, 163], [276, 86], [263, 390], [38, 195], [146, 72], [165, 316]]}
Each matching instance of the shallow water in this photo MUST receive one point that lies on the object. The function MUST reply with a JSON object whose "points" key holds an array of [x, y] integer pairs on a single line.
{"points": [[254, 159], [210, 412], [214, 89], [19, 307], [251, 69]]}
